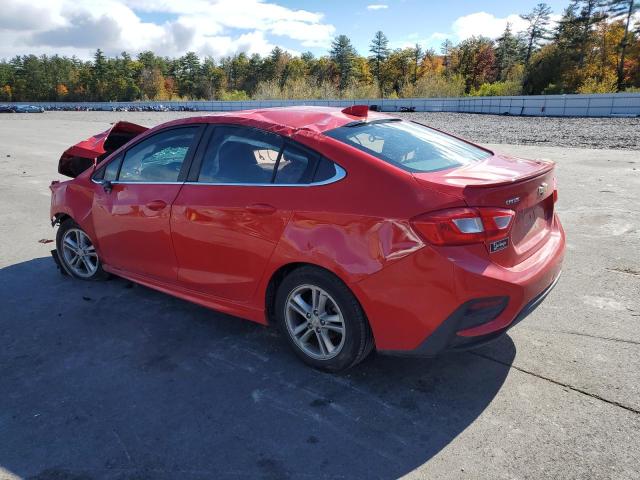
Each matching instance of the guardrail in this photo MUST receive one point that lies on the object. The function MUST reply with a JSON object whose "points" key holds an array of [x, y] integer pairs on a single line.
{"points": [[597, 105]]}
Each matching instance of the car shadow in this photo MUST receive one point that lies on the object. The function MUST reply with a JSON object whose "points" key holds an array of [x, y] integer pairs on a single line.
{"points": [[114, 380]]}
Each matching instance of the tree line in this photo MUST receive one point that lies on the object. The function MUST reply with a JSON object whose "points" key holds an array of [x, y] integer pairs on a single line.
{"points": [[594, 48]]}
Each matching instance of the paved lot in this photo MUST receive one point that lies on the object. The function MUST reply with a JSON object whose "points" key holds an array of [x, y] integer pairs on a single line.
{"points": [[116, 381]]}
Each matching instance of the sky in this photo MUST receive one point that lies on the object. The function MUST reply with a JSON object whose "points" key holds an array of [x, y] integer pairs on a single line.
{"points": [[223, 27]]}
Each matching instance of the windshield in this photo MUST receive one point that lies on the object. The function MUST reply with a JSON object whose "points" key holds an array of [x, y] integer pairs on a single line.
{"points": [[410, 146]]}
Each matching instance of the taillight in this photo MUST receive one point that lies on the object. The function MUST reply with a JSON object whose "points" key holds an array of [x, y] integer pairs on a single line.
{"points": [[555, 190], [461, 226]]}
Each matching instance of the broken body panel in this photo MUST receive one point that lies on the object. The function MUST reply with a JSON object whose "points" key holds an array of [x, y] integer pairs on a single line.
{"points": [[84, 154]]}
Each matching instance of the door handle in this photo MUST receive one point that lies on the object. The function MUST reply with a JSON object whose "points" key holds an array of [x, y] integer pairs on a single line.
{"points": [[261, 208], [156, 205]]}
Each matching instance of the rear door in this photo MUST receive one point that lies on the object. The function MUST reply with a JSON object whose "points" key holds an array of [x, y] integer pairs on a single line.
{"points": [[132, 202], [229, 216]]}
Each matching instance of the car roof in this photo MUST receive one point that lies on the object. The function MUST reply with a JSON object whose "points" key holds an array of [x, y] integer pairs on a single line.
{"points": [[286, 120]]}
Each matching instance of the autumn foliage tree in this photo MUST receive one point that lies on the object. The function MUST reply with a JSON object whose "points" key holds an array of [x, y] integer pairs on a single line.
{"points": [[594, 48]]}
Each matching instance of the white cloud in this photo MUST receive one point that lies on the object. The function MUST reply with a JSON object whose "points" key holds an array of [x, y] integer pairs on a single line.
{"points": [[377, 6], [486, 24], [433, 41], [474, 24], [208, 27]]}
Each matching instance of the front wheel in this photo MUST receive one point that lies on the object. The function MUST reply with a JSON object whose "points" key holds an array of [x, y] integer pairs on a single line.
{"points": [[322, 320], [77, 253]]}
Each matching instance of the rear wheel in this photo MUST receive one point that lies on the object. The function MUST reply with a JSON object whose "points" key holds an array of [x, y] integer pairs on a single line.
{"points": [[322, 320], [77, 253]]}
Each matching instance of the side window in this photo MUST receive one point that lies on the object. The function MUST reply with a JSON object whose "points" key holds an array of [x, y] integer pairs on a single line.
{"points": [[158, 158], [111, 169], [240, 155], [295, 166], [108, 171], [325, 170]]}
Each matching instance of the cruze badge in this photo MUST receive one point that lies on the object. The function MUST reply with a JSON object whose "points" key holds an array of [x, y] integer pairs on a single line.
{"points": [[498, 245], [542, 189], [513, 201]]}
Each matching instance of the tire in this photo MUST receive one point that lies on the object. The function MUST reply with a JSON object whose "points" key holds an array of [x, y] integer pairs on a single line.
{"points": [[82, 263], [309, 320]]}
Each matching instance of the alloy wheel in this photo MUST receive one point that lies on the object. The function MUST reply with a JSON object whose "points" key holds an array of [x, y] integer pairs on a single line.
{"points": [[79, 253], [315, 322]]}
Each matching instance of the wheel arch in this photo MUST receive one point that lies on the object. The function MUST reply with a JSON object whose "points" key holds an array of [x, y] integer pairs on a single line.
{"points": [[281, 272], [60, 217]]}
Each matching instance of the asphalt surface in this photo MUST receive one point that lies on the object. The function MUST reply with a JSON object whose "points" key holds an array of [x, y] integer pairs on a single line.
{"points": [[116, 381]]}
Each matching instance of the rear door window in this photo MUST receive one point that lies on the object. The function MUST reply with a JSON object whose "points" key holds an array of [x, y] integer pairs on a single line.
{"points": [[249, 156], [325, 170], [296, 166], [240, 156]]}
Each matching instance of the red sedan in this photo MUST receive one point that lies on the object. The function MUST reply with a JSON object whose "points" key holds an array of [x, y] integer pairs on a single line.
{"points": [[350, 229]]}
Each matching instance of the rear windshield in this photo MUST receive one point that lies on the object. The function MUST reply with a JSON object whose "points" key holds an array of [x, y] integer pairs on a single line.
{"points": [[410, 146]]}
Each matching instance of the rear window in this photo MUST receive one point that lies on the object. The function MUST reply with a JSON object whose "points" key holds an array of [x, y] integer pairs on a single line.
{"points": [[407, 145]]}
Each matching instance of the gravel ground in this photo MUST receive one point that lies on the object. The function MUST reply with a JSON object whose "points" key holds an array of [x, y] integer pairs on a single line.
{"points": [[114, 381], [595, 133], [600, 133]]}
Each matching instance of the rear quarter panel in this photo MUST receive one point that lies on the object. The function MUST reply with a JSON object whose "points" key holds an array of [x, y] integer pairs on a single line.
{"points": [[356, 226]]}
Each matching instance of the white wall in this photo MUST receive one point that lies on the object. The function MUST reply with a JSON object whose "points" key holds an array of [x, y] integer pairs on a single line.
{"points": [[601, 105]]}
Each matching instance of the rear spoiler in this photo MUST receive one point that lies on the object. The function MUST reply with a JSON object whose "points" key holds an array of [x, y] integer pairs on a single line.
{"points": [[81, 156]]}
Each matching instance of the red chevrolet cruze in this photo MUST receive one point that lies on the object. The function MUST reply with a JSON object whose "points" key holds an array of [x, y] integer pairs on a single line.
{"points": [[350, 229]]}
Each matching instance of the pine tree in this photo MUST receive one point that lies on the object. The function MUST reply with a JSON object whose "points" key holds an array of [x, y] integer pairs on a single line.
{"points": [[508, 52], [624, 10], [588, 16], [343, 54], [418, 54], [379, 49], [445, 49], [537, 29], [98, 75]]}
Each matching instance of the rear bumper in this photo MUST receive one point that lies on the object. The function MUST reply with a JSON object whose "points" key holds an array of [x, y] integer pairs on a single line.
{"points": [[421, 304], [446, 339]]}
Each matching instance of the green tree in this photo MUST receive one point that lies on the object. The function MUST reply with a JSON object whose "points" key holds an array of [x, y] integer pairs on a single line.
{"points": [[400, 66], [537, 28], [379, 49], [187, 70], [343, 54], [418, 55], [508, 53], [212, 80], [445, 49], [475, 61], [588, 15], [623, 10], [98, 83]]}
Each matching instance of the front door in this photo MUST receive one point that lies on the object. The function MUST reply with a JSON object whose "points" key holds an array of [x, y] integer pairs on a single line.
{"points": [[132, 204]]}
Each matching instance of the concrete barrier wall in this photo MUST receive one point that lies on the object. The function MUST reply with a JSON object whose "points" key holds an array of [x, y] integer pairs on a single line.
{"points": [[601, 105]]}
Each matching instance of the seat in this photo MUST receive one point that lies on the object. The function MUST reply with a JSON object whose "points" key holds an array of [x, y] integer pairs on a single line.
{"points": [[238, 164]]}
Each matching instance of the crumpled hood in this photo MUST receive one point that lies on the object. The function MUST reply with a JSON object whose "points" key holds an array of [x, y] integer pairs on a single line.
{"points": [[77, 158], [94, 146]]}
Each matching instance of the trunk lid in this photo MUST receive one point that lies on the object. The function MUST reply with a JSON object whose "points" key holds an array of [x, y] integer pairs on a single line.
{"points": [[524, 186], [79, 157]]}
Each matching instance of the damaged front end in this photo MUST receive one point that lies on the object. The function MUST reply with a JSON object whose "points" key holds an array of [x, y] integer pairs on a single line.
{"points": [[81, 156]]}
